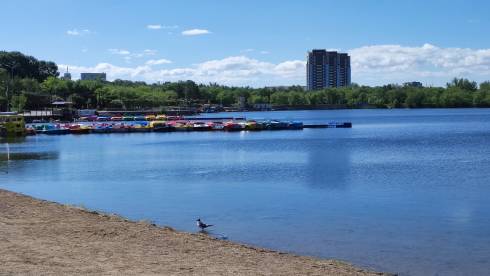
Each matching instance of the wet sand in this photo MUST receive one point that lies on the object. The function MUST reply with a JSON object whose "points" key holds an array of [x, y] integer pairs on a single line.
{"points": [[41, 237]]}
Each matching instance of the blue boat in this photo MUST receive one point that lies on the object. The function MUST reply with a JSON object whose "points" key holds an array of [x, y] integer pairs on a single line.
{"points": [[295, 125], [276, 125], [101, 129], [52, 130], [140, 118], [57, 131]]}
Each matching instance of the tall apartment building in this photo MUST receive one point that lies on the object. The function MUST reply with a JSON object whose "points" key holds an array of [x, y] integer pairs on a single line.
{"points": [[93, 76], [327, 69]]}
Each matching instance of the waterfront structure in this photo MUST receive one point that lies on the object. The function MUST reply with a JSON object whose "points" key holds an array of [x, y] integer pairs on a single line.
{"points": [[93, 76], [413, 84], [11, 124], [66, 75], [327, 69], [242, 103]]}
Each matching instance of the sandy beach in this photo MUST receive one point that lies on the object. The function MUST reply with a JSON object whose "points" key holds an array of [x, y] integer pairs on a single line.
{"points": [[41, 237]]}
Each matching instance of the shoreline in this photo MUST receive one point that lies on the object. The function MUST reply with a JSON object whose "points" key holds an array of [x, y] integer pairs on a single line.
{"points": [[43, 237]]}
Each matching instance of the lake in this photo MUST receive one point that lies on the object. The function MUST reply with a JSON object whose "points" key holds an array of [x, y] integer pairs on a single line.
{"points": [[404, 191]]}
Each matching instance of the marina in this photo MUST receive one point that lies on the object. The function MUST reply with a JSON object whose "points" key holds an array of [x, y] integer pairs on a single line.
{"points": [[162, 123]]}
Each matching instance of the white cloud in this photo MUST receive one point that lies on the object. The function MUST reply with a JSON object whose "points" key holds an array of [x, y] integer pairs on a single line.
{"points": [[76, 32], [371, 65], [237, 70], [264, 52], [128, 56], [194, 32], [72, 32], [154, 27], [158, 26], [112, 71], [158, 61], [149, 52], [144, 53], [291, 68], [121, 52], [396, 63]]}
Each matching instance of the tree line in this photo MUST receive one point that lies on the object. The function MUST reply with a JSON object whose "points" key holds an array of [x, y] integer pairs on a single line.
{"points": [[31, 84]]}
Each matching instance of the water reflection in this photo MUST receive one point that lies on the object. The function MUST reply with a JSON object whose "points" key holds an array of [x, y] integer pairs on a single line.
{"points": [[12, 140], [6, 156], [328, 165], [17, 160]]}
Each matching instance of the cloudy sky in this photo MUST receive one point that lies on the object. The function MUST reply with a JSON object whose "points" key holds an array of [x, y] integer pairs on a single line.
{"points": [[253, 43]]}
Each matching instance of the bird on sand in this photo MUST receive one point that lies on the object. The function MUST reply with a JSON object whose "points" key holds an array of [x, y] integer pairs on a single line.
{"points": [[202, 225]]}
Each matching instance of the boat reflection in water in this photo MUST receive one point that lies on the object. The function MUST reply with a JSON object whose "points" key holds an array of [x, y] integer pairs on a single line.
{"points": [[19, 160], [15, 156]]}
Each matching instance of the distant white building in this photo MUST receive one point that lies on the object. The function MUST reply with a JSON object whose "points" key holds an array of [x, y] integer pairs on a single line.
{"points": [[413, 84], [66, 75], [93, 76]]}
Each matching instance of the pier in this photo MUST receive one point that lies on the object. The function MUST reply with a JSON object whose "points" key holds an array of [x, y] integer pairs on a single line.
{"points": [[330, 125]]}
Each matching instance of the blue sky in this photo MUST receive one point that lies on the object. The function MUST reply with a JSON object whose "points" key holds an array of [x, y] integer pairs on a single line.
{"points": [[255, 43]]}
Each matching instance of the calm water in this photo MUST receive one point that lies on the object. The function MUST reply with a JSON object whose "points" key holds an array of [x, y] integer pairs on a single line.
{"points": [[405, 191]]}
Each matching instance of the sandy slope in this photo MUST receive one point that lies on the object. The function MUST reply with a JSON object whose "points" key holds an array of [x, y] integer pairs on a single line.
{"points": [[41, 237]]}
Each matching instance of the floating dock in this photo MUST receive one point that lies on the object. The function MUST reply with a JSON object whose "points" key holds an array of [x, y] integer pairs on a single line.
{"points": [[330, 125], [180, 124]]}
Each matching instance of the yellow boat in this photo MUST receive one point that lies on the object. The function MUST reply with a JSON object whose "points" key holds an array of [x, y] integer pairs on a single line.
{"points": [[161, 118], [156, 123], [140, 128], [12, 124], [150, 117], [251, 125], [160, 126]]}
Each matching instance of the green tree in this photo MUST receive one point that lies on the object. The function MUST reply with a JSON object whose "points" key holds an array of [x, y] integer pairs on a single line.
{"points": [[455, 96], [314, 98], [280, 98], [485, 86], [226, 98], [55, 87], [415, 97], [18, 102], [463, 84], [257, 99], [4, 79], [23, 66], [296, 98]]}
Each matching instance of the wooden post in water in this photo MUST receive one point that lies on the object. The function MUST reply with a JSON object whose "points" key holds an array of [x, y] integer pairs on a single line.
{"points": [[8, 156]]}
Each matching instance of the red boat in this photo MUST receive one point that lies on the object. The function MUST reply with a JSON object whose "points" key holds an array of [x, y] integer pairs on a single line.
{"points": [[232, 126]]}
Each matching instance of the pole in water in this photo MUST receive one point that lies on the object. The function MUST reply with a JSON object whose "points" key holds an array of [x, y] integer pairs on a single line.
{"points": [[8, 156]]}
